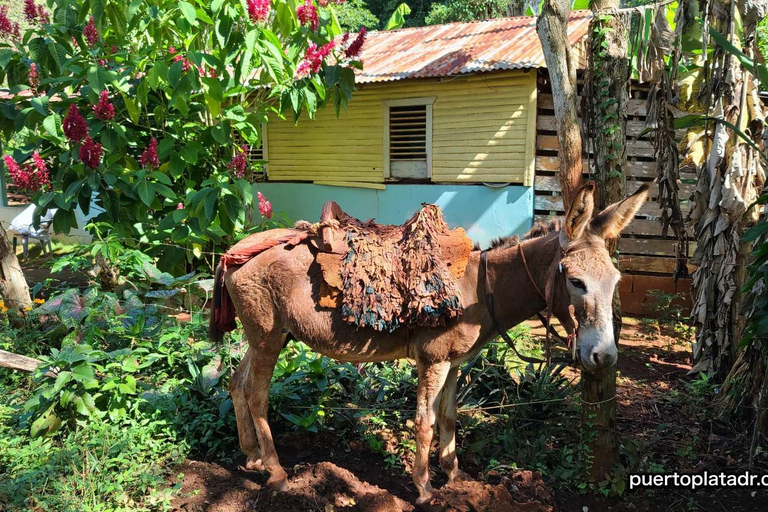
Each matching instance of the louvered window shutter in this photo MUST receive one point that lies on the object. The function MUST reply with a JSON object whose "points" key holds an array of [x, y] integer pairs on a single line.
{"points": [[408, 147]]}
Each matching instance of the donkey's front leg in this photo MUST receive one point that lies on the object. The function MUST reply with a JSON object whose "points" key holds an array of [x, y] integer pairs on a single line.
{"points": [[431, 380], [446, 421]]}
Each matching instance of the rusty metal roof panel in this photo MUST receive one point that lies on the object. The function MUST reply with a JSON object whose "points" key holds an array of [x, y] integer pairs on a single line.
{"points": [[459, 48]]}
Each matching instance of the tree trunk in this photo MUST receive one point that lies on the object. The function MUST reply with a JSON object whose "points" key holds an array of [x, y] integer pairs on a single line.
{"points": [[552, 27], [13, 285], [606, 97]]}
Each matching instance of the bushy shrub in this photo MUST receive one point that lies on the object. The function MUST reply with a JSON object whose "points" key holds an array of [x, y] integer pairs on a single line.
{"points": [[145, 107]]}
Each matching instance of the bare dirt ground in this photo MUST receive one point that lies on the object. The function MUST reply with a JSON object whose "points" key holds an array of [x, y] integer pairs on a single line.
{"points": [[327, 473]]}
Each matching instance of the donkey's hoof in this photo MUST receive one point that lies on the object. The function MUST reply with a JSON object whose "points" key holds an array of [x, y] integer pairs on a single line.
{"points": [[278, 482], [425, 498], [254, 465]]}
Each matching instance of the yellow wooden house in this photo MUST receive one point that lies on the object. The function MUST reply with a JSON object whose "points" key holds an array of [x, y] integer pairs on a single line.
{"points": [[445, 114]]}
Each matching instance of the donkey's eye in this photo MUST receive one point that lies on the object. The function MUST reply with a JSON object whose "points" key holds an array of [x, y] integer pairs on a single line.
{"points": [[577, 283]]}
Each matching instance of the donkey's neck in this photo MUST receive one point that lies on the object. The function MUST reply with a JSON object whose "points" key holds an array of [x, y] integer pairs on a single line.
{"points": [[516, 297]]}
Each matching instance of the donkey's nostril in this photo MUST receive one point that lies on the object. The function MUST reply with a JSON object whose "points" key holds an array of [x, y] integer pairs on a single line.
{"points": [[596, 357]]}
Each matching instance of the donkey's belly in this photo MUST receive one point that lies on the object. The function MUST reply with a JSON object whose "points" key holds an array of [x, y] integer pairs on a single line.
{"points": [[326, 332]]}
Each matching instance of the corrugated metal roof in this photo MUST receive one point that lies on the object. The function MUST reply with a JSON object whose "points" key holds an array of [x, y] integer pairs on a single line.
{"points": [[457, 48]]}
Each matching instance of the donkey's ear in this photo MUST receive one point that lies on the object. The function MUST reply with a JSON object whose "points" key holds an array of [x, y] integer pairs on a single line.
{"points": [[580, 212], [611, 222]]}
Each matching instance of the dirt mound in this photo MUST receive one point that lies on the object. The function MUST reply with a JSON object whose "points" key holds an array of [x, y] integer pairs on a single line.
{"points": [[472, 496], [324, 486]]}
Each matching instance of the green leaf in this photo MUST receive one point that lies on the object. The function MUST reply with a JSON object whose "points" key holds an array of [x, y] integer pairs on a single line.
{"points": [[214, 106], [46, 424], [760, 71], [146, 192], [188, 11], [397, 20], [40, 104], [176, 166], [128, 386], [164, 148], [83, 373], [220, 133], [132, 107], [174, 74], [190, 151], [52, 125], [334, 29], [213, 88], [97, 77], [210, 203]]}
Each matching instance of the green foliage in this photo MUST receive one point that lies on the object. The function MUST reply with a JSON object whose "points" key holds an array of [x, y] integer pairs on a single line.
{"points": [[195, 78], [762, 37], [354, 14], [465, 10]]}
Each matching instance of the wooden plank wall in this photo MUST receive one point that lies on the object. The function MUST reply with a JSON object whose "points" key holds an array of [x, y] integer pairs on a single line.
{"points": [[647, 259]]}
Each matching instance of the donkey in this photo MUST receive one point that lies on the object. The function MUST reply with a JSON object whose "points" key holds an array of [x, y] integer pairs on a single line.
{"points": [[277, 291]]}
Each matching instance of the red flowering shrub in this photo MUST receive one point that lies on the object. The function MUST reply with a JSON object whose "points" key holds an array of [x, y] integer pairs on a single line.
{"points": [[144, 131], [104, 110], [90, 153], [74, 125]]}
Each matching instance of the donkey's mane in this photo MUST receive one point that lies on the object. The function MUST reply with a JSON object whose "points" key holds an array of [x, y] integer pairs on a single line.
{"points": [[553, 225]]}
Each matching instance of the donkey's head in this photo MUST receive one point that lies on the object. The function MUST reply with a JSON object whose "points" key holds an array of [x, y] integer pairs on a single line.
{"points": [[585, 277]]}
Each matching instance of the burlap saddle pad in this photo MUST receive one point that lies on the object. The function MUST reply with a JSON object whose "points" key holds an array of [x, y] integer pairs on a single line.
{"points": [[383, 276]]}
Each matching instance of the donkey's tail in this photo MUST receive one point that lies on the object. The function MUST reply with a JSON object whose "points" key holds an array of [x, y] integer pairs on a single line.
{"points": [[223, 311]]}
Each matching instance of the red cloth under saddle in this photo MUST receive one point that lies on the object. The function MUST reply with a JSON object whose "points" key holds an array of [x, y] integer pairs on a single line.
{"points": [[223, 309]]}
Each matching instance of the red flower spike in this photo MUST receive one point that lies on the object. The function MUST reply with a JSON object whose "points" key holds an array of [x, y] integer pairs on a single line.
{"points": [[32, 177], [239, 162], [313, 59], [30, 10], [265, 207], [90, 153], [42, 14], [90, 33], [307, 15], [149, 158], [34, 77], [104, 110], [74, 125], [354, 49], [258, 10]]}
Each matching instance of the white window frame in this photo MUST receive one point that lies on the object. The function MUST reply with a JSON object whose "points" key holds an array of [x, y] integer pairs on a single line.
{"points": [[428, 102]]}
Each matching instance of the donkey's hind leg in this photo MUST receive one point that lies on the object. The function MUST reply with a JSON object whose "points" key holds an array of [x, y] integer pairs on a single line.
{"points": [[245, 429], [265, 347], [446, 421]]}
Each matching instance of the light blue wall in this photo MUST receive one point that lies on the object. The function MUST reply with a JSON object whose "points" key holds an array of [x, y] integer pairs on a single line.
{"points": [[485, 212]]}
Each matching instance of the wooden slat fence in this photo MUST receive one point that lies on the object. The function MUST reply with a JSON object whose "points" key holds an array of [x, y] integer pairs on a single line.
{"points": [[647, 259]]}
